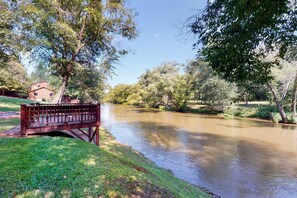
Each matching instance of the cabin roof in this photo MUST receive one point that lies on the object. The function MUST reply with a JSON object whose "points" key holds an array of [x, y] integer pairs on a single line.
{"points": [[41, 88], [39, 83]]}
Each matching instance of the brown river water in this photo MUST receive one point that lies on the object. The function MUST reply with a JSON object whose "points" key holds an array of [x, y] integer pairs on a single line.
{"points": [[229, 157]]}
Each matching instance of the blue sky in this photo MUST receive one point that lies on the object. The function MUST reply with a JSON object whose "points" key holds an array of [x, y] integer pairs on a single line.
{"points": [[158, 23]]}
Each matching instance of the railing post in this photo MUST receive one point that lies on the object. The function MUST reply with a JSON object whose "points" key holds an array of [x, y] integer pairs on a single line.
{"points": [[23, 119], [98, 114], [97, 123]]}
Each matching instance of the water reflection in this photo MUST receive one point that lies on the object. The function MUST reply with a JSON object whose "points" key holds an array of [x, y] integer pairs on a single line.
{"points": [[232, 158]]}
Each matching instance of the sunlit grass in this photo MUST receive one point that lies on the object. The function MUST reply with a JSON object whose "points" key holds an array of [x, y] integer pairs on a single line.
{"points": [[254, 104], [63, 167], [12, 104]]}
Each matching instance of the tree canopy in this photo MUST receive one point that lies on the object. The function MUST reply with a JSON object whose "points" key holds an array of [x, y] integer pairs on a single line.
{"points": [[13, 78], [72, 36], [238, 35], [6, 41], [243, 40], [171, 87]]}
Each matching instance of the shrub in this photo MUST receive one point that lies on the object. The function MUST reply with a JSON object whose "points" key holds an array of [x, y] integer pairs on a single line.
{"points": [[265, 112]]}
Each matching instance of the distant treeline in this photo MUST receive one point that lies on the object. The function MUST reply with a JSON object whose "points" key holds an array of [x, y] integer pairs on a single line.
{"points": [[174, 85]]}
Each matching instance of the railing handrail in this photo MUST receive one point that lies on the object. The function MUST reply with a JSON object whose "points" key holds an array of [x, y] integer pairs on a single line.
{"points": [[61, 104], [48, 115], [51, 117]]}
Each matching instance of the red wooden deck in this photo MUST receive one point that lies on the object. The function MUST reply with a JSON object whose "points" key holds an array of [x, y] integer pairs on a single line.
{"points": [[74, 118]]}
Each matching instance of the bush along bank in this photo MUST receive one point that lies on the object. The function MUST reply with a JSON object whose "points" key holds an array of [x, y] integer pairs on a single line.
{"points": [[265, 112], [262, 112], [56, 167]]}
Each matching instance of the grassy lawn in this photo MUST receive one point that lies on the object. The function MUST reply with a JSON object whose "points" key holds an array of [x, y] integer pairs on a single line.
{"points": [[63, 167], [12, 104], [254, 104], [6, 124]]}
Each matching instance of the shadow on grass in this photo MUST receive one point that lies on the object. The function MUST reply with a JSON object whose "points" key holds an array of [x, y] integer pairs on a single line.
{"points": [[54, 134], [63, 167], [59, 167]]}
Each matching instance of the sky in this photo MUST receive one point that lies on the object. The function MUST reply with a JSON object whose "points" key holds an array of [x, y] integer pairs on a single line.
{"points": [[159, 24]]}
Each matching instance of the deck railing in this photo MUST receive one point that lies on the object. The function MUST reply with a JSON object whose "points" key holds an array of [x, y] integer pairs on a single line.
{"points": [[40, 118]]}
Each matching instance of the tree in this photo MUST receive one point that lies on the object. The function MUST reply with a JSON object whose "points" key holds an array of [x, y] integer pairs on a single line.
{"points": [[283, 80], [14, 78], [187, 86], [5, 34], [157, 85], [134, 97], [198, 71], [292, 55], [217, 90], [181, 92], [237, 36], [40, 73], [294, 99], [73, 36], [87, 85], [120, 93], [250, 90]]}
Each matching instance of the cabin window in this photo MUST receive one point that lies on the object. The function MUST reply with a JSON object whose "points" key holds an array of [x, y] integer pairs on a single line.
{"points": [[38, 85], [35, 94], [51, 94]]}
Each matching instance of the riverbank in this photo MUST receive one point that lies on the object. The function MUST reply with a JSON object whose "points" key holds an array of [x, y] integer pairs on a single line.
{"points": [[258, 110], [56, 167]]}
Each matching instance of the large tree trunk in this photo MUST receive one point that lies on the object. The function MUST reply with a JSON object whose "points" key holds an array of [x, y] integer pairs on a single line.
{"points": [[294, 101], [59, 95], [278, 104]]}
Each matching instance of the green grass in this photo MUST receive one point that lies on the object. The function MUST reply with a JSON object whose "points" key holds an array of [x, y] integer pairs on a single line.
{"points": [[254, 109], [266, 112], [6, 124], [12, 104], [62, 167]]}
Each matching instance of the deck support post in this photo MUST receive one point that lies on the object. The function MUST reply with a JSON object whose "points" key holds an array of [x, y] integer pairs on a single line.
{"points": [[97, 123], [90, 134], [23, 119], [97, 136]]}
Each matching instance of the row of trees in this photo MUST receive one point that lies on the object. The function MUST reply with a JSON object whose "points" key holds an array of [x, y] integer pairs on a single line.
{"points": [[174, 85]]}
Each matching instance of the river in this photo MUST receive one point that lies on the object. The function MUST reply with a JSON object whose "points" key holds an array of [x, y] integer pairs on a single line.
{"points": [[229, 157]]}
